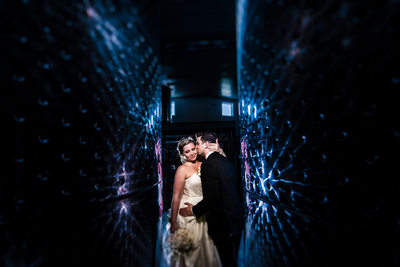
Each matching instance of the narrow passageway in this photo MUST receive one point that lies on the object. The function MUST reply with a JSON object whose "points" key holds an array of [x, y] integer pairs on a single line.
{"points": [[97, 94]]}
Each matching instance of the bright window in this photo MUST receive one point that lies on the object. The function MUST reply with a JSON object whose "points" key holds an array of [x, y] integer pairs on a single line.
{"points": [[172, 108], [227, 109]]}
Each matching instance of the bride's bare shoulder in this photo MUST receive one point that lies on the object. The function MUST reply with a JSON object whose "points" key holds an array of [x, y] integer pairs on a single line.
{"points": [[182, 168]]}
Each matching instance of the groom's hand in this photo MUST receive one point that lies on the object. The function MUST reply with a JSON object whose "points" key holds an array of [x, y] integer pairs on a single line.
{"points": [[185, 212]]}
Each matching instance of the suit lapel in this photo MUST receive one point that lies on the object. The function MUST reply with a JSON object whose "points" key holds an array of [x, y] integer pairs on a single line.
{"points": [[206, 161]]}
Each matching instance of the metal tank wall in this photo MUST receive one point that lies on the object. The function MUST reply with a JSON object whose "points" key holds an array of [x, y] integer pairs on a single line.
{"points": [[81, 164], [320, 188]]}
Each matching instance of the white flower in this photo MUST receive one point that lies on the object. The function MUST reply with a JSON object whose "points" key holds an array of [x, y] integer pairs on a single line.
{"points": [[181, 242]]}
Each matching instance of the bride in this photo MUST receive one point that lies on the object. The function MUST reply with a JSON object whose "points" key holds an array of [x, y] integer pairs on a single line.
{"points": [[187, 188]]}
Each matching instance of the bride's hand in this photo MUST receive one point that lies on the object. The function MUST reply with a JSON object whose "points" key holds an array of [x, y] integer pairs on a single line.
{"points": [[216, 147], [174, 227], [213, 146]]}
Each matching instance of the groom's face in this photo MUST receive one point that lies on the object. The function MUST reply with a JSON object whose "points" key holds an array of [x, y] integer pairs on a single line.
{"points": [[200, 146]]}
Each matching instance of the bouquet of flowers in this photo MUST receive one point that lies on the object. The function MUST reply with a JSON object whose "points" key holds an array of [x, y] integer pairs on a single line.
{"points": [[181, 242]]}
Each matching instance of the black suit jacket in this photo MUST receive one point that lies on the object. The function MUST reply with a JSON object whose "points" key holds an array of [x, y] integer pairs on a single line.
{"points": [[221, 200]]}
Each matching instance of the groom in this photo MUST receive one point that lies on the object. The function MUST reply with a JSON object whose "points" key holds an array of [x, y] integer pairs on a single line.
{"points": [[221, 201]]}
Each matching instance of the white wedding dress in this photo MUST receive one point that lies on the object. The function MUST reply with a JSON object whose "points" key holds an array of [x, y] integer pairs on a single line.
{"points": [[206, 253]]}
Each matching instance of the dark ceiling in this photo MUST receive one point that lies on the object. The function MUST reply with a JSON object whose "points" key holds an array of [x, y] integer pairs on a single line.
{"points": [[198, 47]]}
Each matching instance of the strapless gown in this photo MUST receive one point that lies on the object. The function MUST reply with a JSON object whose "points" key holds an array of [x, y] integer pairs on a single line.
{"points": [[206, 253]]}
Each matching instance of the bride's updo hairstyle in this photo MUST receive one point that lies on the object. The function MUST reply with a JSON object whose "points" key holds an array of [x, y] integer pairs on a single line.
{"points": [[183, 142]]}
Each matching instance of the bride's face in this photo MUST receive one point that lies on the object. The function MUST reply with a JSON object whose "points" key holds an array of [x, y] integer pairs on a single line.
{"points": [[190, 152]]}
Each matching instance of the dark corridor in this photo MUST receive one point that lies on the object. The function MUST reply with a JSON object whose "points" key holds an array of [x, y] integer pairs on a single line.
{"points": [[302, 94]]}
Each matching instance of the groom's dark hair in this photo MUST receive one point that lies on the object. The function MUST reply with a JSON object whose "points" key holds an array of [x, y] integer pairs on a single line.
{"points": [[198, 134], [208, 137]]}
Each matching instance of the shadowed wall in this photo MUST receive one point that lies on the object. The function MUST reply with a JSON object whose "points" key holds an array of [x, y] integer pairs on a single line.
{"points": [[82, 100], [311, 74]]}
